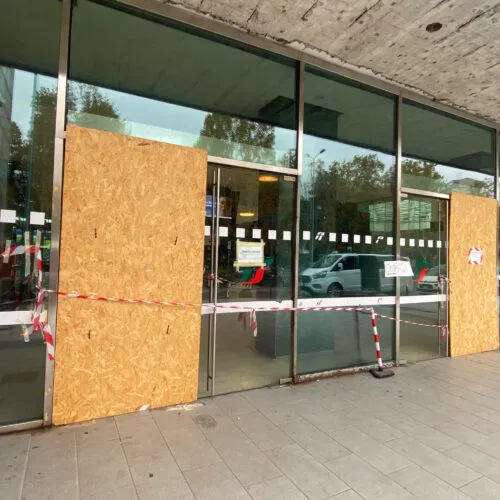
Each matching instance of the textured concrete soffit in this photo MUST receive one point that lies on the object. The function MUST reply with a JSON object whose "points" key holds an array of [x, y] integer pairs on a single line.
{"points": [[458, 65]]}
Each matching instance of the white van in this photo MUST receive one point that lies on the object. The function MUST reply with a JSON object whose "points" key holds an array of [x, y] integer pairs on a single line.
{"points": [[336, 273]]}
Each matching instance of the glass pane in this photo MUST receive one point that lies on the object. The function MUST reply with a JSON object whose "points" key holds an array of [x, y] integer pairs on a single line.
{"points": [[255, 209], [143, 78], [419, 343], [29, 39], [346, 213], [337, 339], [443, 153], [424, 236], [424, 242], [22, 376], [243, 361]]}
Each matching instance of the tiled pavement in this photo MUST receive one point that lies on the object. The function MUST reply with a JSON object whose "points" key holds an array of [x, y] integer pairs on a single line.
{"points": [[432, 431]]}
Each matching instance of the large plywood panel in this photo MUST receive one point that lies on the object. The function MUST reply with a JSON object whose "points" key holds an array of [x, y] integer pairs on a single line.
{"points": [[132, 226], [473, 301]]}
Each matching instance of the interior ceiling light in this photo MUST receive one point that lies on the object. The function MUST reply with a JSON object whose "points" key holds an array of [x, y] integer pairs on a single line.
{"points": [[247, 214], [433, 27], [268, 178]]}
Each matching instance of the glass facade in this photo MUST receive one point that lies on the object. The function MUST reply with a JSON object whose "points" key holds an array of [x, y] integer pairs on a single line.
{"points": [[346, 224], [148, 77], [29, 48], [443, 153]]}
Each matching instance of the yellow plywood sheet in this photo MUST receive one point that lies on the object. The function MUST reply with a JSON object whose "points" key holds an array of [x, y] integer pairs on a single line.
{"points": [[473, 300], [132, 226]]}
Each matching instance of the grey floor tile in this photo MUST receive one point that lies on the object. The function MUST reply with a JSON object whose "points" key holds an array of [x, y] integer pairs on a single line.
{"points": [[96, 431], [437, 463], [462, 433], [377, 454], [248, 463], [476, 423], [262, 431], [477, 460], [126, 493], [13, 458], [234, 404], [148, 456], [375, 428], [366, 480], [52, 466], [311, 477], [483, 489], [131, 424], [319, 444], [160, 488], [102, 467], [215, 482], [272, 489], [347, 495], [425, 485]]}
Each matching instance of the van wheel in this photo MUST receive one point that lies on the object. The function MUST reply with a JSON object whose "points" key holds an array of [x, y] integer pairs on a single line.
{"points": [[335, 290]]}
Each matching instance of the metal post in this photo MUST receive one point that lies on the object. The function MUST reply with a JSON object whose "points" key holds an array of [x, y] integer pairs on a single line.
{"points": [[299, 94], [215, 203], [397, 219], [62, 80]]}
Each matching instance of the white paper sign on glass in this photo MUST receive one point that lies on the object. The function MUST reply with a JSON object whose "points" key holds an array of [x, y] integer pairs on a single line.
{"points": [[256, 234], [240, 232], [421, 243], [345, 238], [306, 235], [390, 240], [402, 241], [249, 254], [271, 234], [223, 231], [396, 268], [37, 218], [430, 243], [412, 242], [357, 238], [207, 230], [287, 235], [368, 239], [332, 236], [7, 216]]}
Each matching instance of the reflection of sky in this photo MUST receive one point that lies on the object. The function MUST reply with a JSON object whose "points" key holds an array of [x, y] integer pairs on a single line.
{"points": [[140, 111]]}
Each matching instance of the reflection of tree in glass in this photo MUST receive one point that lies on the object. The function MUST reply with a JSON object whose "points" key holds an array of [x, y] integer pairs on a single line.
{"points": [[31, 160], [87, 105], [238, 138], [342, 191], [424, 175]]}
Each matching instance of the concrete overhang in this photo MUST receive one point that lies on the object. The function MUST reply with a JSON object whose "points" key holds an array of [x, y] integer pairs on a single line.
{"points": [[395, 41]]}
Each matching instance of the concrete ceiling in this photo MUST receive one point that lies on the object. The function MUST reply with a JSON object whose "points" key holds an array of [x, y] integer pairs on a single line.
{"points": [[457, 65]]}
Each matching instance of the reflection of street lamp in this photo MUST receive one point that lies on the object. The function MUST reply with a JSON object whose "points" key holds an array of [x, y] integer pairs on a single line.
{"points": [[313, 199]]}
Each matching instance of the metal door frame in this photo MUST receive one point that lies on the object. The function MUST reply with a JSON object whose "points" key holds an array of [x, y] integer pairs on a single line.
{"points": [[441, 197], [214, 272]]}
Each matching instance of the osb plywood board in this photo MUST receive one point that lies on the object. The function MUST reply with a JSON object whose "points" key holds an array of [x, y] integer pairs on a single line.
{"points": [[132, 226], [473, 300]]}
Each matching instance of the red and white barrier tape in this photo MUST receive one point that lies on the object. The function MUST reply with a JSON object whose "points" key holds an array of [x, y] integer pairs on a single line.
{"points": [[40, 323], [39, 315]]}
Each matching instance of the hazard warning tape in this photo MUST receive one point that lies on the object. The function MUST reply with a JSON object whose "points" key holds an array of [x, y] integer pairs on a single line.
{"points": [[40, 315]]}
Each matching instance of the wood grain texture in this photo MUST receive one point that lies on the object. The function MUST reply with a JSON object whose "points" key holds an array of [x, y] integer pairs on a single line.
{"points": [[132, 226], [473, 301]]}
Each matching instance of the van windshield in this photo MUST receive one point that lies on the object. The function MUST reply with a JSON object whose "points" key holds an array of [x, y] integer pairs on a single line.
{"points": [[325, 261]]}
